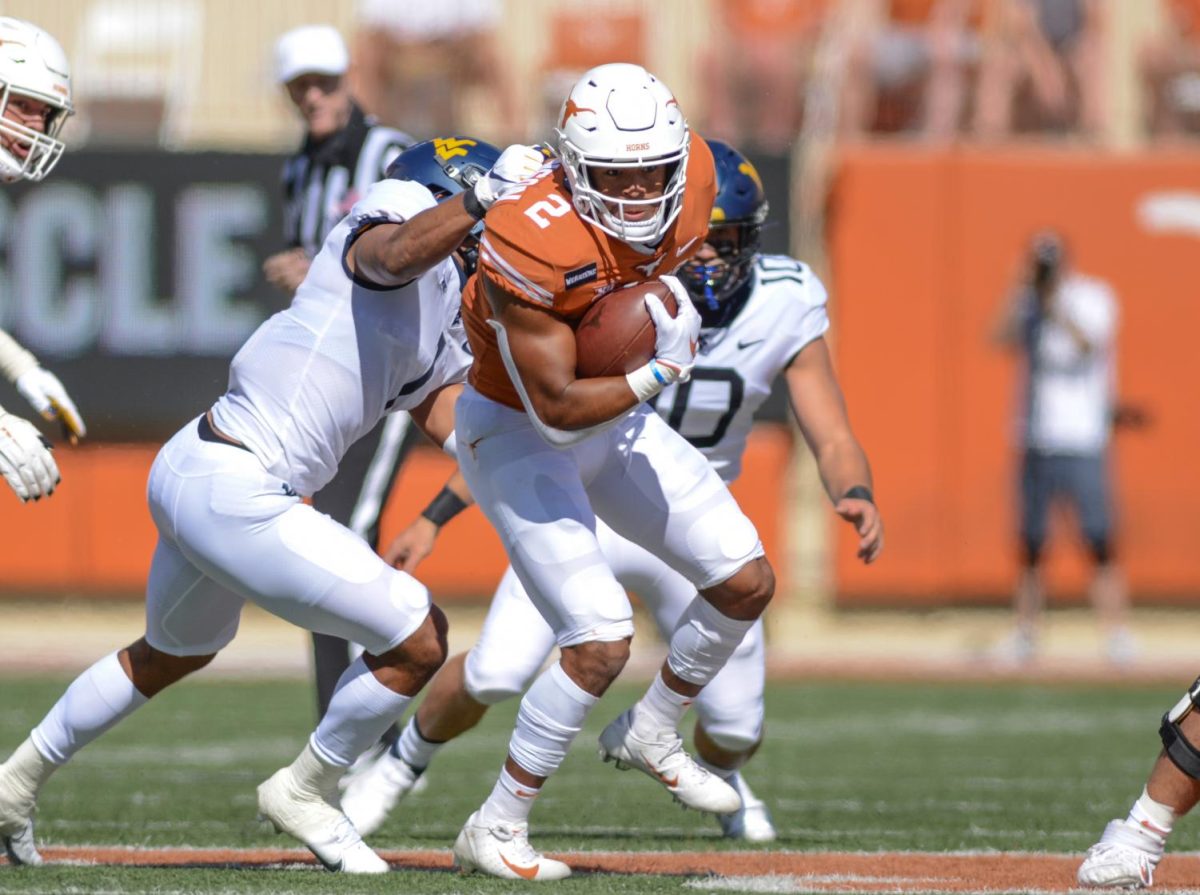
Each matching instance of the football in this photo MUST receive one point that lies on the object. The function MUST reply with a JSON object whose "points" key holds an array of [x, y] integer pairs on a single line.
{"points": [[616, 335]]}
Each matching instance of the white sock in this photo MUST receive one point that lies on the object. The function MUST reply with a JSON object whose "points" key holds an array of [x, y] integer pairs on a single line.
{"points": [[413, 749], [724, 773], [551, 715], [1158, 817], [312, 772], [509, 802], [660, 709], [360, 711], [95, 701], [27, 769]]}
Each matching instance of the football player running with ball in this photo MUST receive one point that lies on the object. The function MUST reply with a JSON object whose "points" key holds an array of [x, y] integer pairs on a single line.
{"points": [[545, 454], [762, 315], [373, 328], [35, 102]]}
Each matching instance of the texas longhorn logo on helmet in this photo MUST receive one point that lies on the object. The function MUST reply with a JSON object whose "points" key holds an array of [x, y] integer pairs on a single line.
{"points": [[570, 109]]}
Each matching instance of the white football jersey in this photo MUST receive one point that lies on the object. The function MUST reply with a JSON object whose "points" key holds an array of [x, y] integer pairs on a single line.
{"points": [[318, 376], [737, 364]]}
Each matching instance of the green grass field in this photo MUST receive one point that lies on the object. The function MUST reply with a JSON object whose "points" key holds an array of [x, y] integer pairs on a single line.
{"points": [[846, 766]]}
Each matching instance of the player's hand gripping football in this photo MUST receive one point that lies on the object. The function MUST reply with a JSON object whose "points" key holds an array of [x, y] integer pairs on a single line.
{"points": [[516, 164], [47, 396], [675, 338], [864, 516], [25, 459]]}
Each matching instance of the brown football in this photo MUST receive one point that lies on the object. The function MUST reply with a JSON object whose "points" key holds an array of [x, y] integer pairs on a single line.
{"points": [[616, 335]]}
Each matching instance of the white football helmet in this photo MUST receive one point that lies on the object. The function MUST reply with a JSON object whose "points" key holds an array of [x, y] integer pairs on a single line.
{"points": [[621, 116], [32, 65]]}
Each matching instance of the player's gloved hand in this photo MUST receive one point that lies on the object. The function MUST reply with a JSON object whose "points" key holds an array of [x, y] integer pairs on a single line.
{"points": [[675, 341], [25, 459], [47, 396], [516, 164]]}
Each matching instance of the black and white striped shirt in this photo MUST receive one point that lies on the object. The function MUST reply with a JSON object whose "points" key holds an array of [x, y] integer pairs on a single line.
{"points": [[323, 180]]}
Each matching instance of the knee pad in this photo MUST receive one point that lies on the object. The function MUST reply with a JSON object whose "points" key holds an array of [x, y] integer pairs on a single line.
{"points": [[1101, 549], [492, 679], [1182, 752]]}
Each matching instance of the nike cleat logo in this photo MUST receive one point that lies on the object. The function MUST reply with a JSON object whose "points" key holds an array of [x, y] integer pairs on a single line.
{"points": [[527, 794], [668, 782], [523, 872], [746, 343]]}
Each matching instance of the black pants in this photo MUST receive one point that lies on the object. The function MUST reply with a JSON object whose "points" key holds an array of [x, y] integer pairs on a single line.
{"points": [[355, 498]]}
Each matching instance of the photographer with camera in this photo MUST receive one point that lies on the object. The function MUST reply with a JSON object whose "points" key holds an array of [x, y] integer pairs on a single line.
{"points": [[1063, 324]]}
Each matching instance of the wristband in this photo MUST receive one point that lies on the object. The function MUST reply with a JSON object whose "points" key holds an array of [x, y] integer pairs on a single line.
{"points": [[859, 492], [472, 205], [646, 381], [444, 507]]}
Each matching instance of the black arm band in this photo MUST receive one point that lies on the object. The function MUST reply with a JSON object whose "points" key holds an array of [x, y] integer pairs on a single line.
{"points": [[444, 507], [472, 204], [859, 492]]}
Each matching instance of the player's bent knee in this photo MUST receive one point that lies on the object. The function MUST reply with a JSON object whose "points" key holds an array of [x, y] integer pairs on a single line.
{"points": [[1183, 752], [747, 594], [426, 649], [152, 670], [596, 663]]}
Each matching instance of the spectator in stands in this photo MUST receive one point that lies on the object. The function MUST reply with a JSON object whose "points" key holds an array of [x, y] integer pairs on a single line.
{"points": [[1043, 70], [427, 64], [909, 65], [1169, 67], [756, 73], [1064, 326]]}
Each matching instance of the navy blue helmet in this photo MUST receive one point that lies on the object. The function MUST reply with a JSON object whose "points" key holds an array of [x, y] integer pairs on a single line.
{"points": [[447, 166], [735, 231]]}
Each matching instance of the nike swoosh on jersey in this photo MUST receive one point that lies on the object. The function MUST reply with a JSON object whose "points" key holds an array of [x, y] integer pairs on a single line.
{"points": [[683, 248], [743, 343]]}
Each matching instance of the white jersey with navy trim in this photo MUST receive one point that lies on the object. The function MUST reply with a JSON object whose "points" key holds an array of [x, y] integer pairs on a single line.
{"points": [[737, 364], [318, 376]]}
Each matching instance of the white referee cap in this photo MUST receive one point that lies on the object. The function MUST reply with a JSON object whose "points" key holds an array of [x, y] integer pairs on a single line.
{"points": [[310, 49]]}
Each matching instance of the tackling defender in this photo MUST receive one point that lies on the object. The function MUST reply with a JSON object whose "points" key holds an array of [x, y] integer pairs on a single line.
{"points": [[373, 328], [762, 315], [35, 103]]}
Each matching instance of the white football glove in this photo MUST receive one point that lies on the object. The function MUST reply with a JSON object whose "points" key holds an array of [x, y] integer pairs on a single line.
{"points": [[675, 342], [25, 459], [516, 164], [47, 396]]}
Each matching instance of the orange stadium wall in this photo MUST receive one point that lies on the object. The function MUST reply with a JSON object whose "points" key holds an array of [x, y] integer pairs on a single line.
{"points": [[924, 247], [94, 536]]}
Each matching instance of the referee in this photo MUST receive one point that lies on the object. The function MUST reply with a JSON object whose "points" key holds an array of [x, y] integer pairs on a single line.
{"points": [[343, 153]]}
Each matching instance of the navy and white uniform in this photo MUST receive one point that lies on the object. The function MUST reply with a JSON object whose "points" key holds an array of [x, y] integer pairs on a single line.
{"points": [[735, 368], [308, 383]]}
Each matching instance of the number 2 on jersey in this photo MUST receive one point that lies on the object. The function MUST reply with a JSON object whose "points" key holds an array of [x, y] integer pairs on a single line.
{"points": [[553, 205]]}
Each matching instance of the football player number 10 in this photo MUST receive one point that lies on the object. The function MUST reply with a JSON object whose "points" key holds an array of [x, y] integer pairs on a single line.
{"points": [[683, 394]]}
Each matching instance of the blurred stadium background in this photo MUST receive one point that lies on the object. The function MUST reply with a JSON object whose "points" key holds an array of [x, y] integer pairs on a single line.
{"points": [[133, 273]]}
